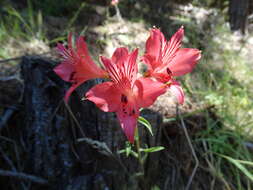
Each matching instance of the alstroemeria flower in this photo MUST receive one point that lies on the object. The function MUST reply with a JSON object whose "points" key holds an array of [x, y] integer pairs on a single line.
{"points": [[77, 66], [125, 94], [114, 2], [165, 59]]}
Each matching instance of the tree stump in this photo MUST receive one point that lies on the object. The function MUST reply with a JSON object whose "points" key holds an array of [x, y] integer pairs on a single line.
{"points": [[238, 15]]}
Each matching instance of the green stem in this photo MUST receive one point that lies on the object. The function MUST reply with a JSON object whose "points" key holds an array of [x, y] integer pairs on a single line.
{"points": [[118, 15], [137, 141]]}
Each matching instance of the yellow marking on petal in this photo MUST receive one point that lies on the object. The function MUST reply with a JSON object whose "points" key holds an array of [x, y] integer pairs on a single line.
{"points": [[168, 83], [107, 76], [146, 74]]}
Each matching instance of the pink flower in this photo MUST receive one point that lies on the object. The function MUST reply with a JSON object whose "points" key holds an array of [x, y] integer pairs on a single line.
{"points": [[114, 2], [165, 59], [77, 66], [125, 94]]}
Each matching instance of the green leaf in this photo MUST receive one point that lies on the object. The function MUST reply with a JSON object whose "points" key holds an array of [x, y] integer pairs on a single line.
{"points": [[144, 122], [61, 38], [15, 13], [31, 14], [152, 149], [238, 164], [245, 162], [121, 151], [40, 24], [134, 154], [128, 150], [144, 157], [169, 119]]}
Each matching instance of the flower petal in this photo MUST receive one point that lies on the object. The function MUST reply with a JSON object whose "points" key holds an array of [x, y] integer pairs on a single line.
{"points": [[184, 61], [119, 55], [153, 44], [131, 68], [83, 53], [128, 120], [111, 68], [176, 89], [85, 65], [172, 46], [148, 91], [161, 77], [105, 96], [124, 71], [65, 70]]}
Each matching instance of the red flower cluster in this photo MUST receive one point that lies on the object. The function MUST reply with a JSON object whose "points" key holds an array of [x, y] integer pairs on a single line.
{"points": [[125, 93]]}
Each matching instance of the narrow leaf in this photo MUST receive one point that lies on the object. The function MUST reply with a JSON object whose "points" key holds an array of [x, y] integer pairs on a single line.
{"points": [[144, 122], [239, 166], [134, 154], [245, 162], [152, 149], [40, 24], [121, 151], [128, 150]]}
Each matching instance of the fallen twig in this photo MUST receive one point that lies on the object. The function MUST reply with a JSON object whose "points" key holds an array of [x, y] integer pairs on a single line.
{"points": [[10, 78], [8, 160], [6, 116], [23, 176], [101, 147], [74, 118]]}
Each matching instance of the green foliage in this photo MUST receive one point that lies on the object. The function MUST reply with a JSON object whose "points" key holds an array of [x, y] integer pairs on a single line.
{"points": [[20, 26], [27, 24], [223, 80], [57, 7], [226, 153]]}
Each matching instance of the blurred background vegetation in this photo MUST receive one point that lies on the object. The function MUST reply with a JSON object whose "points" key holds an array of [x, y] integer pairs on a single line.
{"points": [[220, 89]]}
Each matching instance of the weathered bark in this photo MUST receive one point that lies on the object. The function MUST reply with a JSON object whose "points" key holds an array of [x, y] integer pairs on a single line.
{"points": [[238, 15], [46, 133]]}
